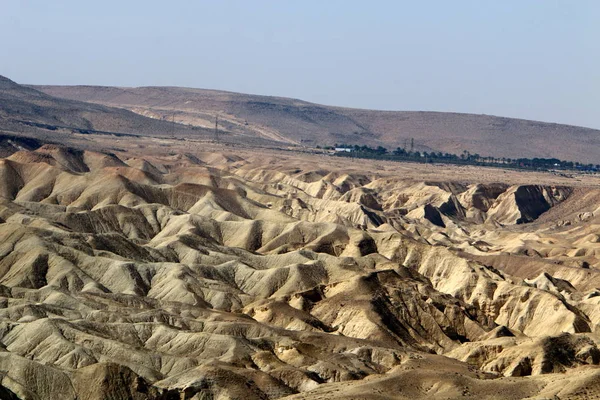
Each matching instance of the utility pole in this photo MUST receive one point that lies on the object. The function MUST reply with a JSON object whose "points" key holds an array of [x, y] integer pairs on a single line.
{"points": [[217, 128], [412, 144]]}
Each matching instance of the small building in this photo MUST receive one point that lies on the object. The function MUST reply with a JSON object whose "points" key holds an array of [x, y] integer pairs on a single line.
{"points": [[344, 149]]}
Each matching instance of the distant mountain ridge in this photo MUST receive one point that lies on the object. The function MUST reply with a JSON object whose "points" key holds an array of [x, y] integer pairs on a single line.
{"points": [[300, 122], [27, 111]]}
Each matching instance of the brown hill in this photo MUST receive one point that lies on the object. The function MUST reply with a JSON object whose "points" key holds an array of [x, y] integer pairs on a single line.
{"points": [[296, 121], [25, 111]]}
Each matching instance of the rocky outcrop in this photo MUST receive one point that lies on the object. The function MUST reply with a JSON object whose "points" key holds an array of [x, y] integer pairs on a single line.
{"points": [[521, 204], [512, 356]]}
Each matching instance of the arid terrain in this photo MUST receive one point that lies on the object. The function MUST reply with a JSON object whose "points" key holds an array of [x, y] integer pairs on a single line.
{"points": [[292, 121], [142, 264]]}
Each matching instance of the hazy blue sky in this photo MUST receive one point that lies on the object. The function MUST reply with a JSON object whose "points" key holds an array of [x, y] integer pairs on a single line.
{"points": [[520, 58]]}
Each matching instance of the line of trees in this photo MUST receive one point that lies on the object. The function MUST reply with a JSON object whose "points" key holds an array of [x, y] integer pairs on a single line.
{"points": [[400, 154]]}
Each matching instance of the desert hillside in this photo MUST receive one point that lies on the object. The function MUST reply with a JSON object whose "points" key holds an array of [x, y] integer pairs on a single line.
{"points": [[298, 122], [26, 112], [197, 271]]}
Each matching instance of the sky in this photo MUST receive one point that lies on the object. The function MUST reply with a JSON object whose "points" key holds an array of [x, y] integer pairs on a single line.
{"points": [[532, 59]]}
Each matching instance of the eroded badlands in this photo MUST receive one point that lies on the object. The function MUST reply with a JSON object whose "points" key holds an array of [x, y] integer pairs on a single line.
{"points": [[212, 275]]}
